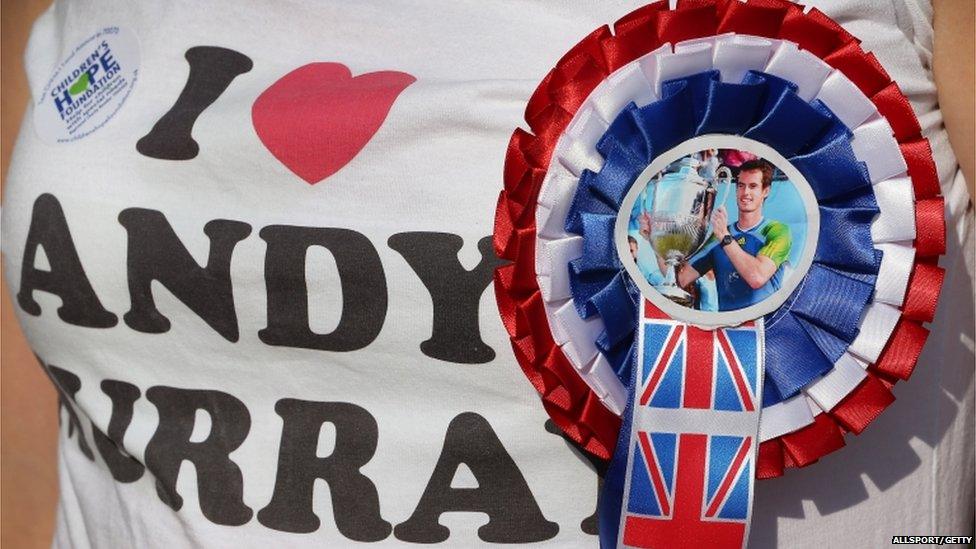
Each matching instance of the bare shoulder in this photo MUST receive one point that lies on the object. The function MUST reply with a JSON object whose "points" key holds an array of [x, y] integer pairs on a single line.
{"points": [[955, 76]]}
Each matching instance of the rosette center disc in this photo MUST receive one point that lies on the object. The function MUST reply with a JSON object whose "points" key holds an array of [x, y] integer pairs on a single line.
{"points": [[665, 239]]}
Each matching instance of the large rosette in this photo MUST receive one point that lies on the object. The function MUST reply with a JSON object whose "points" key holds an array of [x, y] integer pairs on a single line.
{"points": [[771, 72]]}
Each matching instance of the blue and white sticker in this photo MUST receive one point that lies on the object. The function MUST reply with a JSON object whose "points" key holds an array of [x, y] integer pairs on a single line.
{"points": [[89, 87]]}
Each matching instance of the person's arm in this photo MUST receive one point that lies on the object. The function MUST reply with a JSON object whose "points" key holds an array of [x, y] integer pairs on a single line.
{"points": [[953, 64], [755, 270], [28, 403], [686, 275]]}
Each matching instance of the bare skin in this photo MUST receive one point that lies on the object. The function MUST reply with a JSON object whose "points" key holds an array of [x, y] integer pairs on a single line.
{"points": [[954, 67], [28, 420], [749, 197]]}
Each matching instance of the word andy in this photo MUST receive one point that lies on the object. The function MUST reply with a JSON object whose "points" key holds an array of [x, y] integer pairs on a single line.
{"points": [[156, 253]]}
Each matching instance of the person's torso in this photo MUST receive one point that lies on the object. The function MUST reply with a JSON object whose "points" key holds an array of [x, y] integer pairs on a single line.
{"points": [[274, 321]]}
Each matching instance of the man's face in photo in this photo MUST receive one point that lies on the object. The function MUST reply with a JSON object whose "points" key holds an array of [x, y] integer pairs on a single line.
{"points": [[749, 191]]}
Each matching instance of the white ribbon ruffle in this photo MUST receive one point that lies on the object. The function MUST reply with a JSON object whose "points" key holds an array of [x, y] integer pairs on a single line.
{"points": [[732, 55], [876, 326], [801, 67]]}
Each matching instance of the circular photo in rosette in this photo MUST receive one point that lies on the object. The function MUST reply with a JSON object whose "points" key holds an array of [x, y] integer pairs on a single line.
{"points": [[715, 100], [720, 235]]}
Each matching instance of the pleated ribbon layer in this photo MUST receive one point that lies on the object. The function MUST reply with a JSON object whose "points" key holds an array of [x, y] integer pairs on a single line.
{"points": [[769, 71]]}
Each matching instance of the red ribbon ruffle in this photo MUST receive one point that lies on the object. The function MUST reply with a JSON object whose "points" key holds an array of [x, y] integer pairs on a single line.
{"points": [[571, 403]]}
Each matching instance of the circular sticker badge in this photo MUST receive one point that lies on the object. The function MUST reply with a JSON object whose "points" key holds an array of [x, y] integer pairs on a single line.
{"points": [[88, 87]]}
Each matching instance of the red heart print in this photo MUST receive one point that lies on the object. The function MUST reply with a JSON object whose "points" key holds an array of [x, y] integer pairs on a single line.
{"points": [[317, 118]]}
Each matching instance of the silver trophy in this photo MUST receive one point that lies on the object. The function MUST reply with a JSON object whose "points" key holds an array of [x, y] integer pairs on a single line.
{"points": [[681, 219]]}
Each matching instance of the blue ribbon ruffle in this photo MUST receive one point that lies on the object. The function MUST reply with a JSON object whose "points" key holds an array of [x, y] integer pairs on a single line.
{"points": [[820, 319]]}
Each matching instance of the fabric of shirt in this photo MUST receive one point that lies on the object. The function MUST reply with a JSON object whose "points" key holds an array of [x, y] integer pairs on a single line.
{"points": [[768, 238], [259, 347]]}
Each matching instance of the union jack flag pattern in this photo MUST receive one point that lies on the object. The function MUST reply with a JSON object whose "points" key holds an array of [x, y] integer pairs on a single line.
{"points": [[693, 442]]}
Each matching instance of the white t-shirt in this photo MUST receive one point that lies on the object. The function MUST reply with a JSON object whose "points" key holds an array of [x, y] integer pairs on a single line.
{"points": [[399, 388]]}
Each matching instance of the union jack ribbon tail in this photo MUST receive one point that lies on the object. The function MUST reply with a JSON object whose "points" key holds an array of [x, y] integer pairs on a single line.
{"points": [[684, 468]]}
